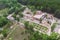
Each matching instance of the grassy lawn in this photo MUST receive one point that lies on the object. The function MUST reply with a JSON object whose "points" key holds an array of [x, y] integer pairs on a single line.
{"points": [[18, 34], [4, 11], [53, 26]]}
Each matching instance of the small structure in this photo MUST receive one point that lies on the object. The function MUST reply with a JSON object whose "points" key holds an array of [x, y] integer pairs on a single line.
{"points": [[38, 12], [38, 15], [10, 17], [27, 14]]}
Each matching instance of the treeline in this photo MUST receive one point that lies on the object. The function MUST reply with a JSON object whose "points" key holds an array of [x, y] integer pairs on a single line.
{"points": [[13, 5], [50, 6]]}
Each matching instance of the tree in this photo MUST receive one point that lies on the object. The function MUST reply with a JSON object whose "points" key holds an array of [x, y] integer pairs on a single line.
{"points": [[3, 21], [53, 26], [53, 36], [5, 32]]}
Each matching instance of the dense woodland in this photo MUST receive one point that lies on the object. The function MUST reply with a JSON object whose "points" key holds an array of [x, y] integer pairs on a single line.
{"points": [[50, 6]]}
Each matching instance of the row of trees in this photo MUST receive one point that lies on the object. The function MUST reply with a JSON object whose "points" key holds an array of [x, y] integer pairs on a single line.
{"points": [[50, 6], [13, 5]]}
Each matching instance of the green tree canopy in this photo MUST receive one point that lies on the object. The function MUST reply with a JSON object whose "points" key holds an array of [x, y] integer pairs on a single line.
{"points": [[3, 21]]}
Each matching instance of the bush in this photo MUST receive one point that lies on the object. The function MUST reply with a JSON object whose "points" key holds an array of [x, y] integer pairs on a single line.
{"points": [[57, 14], [5, 32], [53, 26], [3, 21]]}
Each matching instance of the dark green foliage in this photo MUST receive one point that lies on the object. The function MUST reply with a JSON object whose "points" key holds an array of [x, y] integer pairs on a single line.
{"points": [[40, 20], [2, 6], [11, 10], [40, 36], [22, 9], [21, 15], [23, 1], [57, 13], [50, 6], [3, 21], [26, 24], [5, 32], [53, 36], [29, 27], [12, 4], [53, 26], [9, 3]]}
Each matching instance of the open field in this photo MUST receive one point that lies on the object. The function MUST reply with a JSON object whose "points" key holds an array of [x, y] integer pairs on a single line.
{"points": [[4, 11], [18, 34]]}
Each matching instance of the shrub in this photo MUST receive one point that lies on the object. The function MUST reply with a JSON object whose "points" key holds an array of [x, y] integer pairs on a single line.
{"points": [[3, 21]]}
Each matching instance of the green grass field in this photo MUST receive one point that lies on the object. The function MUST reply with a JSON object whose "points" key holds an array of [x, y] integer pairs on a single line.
{"points": [[4, 11], [18, 34]]}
